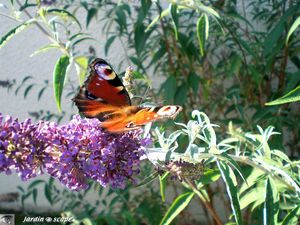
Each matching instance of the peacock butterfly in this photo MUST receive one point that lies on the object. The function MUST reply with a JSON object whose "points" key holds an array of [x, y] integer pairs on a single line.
{"points": [[104, 96]]}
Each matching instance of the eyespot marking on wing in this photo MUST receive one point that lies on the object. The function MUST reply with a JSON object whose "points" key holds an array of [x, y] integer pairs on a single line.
{"points": [[168, 110], [104, 71]]}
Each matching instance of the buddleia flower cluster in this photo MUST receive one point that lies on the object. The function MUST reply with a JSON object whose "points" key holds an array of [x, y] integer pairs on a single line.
{"points": [[73, 153]]}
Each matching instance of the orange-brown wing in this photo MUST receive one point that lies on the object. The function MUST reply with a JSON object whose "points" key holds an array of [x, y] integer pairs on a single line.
{"points": [[102, 92], [133, 117], [91, 108]]}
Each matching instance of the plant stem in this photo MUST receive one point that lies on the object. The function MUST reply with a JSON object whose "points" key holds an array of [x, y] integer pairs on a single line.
{"points": [[207, 204], [282, 69], [10, 17]]}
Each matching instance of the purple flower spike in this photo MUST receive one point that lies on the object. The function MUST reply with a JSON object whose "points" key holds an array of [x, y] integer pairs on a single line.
{"points": [[73, 153]]}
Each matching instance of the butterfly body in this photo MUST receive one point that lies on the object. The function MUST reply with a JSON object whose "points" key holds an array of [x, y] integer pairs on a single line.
{"points": [[103, 96]]}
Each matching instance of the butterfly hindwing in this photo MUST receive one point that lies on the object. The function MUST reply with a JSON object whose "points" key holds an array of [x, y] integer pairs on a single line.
{"points": [[133, 117]]}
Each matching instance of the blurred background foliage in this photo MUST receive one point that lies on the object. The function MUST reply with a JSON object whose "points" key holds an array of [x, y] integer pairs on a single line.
{"points": [[234, 60]]}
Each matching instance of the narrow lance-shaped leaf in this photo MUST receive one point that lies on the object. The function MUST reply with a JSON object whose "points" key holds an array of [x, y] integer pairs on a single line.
{"points": [[235, 165], [177, 206], [14, 31], [45, 49], [81, 40], [108, 44], [59, 75], [81, 65], [91, 13], [175, 19], [292, 217], [201, 34], [276, 32], [292, 29], [209, 10], [232, 191], [162, 185], [271, 205], [292, 96], [156, 19], [63, 13]]}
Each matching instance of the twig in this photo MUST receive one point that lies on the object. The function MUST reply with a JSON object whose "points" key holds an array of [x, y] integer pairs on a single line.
{"points": [[206, 203]]}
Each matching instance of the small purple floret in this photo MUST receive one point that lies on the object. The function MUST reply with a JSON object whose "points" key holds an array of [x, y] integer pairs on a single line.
{"points": [[73, 153]]}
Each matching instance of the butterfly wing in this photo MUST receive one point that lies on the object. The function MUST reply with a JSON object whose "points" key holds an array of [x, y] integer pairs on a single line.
{"points": [[102, 92], [103, 96], [133, 117]]}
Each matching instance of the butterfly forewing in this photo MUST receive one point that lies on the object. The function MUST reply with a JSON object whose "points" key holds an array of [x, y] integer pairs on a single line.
{"points": [[104, 85], [102, 92]]}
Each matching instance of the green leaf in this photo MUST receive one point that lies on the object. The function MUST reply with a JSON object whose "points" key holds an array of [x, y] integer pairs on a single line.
{"points": [[91, 13], [276, 32], [175, 18], [292, 96], [272, 38], [81, 65], [208, 177], [209, 11], [158, 54], [235, 165], [140, 37], [156, 19], [255, 194], [201, 33], [27, 6], [232, 191], [162, 185], [194, 82], [281, 155], [177, 206], [59, 76], [292, 29], [4, 39], [109, 43], [169, 88], [252, 179], [45, 49], [292, 217], [181, 94], [82, 39], [271, 206], [121, 18], [63, 13]]}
